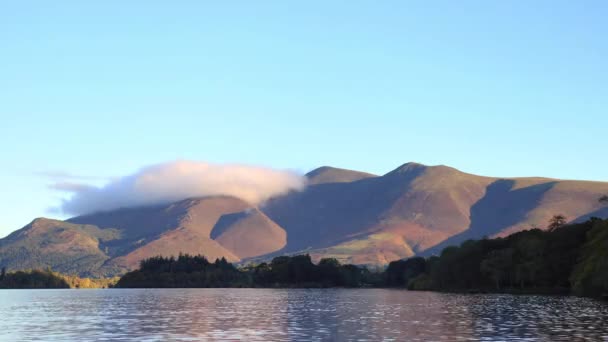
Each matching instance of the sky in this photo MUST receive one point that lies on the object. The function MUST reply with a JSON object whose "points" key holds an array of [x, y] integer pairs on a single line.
{"points": [[91, 91]]}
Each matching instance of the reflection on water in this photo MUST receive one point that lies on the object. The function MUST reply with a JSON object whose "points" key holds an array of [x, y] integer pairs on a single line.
{"points": [[294, 315]]}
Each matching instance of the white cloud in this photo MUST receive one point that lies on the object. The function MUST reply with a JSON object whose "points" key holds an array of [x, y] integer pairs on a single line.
{"points": [[59, 175], [71, 187], [174, 181]]}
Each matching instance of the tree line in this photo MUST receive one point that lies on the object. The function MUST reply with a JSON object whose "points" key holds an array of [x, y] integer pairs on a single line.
{"points": [[565, 259], [47, 279], [283, 271], [33, 279]]}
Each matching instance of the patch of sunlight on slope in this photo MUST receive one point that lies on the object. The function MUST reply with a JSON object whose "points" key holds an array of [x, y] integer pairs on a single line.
{"points": [[379, 248]]}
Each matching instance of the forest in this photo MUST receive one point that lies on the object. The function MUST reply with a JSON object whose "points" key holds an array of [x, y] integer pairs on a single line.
{"points": [[34, 279], [565, 259], [283, 271]]}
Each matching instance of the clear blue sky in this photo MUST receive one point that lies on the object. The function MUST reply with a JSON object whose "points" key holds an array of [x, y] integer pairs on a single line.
{"points": [[99, 89]]}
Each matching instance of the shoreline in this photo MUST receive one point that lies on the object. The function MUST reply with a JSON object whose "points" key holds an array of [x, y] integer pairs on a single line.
{"points": [[456, 292]]}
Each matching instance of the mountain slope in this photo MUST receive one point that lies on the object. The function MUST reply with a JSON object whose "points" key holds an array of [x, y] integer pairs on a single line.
{"points": [[418, 209], [249, 234], [65, 247], [353, 216], [113, 242], [191, 222], [413, 207]]}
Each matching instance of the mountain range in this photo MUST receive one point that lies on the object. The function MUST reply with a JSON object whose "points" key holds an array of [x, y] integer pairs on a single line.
{"points": [[353, 216]]}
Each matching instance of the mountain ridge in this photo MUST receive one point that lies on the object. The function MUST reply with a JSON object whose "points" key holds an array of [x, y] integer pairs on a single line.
{"points": [[330, 174], [354, 216]]}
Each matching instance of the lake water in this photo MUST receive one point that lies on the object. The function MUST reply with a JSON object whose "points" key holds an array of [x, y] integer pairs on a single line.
{"points": [[294, 315]]}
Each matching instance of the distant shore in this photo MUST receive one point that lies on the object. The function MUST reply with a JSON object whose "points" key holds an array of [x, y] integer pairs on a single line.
{"points": [[566, 260]]}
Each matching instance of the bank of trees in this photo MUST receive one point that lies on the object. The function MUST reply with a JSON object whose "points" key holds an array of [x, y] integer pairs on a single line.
{"points": [[47, 279], [283, 271], [590, 276], [300, 271], [34, 279], [401, 272], [565, 259], [76, 282], [184, 271]]}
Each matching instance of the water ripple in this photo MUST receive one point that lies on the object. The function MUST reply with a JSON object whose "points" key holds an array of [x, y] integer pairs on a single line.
{"points": [[294, 315]]}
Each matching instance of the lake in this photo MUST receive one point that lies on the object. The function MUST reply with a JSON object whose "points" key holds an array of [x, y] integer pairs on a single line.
{"points": [[294, 315]]}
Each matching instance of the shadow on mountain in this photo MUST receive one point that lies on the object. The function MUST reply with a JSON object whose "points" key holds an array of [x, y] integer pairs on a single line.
{"points": [[225, 221], [500, 208], [145, 223], [330, 213], [601, 213]]}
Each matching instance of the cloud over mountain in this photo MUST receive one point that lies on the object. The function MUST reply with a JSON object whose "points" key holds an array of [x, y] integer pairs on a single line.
{"points": [[173, 181]]}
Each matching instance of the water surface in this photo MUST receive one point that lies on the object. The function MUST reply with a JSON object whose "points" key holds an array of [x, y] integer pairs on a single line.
{"points": [[294, 315]]}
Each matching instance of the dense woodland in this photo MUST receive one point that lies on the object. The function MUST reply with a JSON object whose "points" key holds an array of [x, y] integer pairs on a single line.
{"points": [[31, 280], [564, 259], [284, 271], [47, 279]]}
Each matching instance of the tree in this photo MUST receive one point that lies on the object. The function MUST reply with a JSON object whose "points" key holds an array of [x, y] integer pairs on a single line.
{"points": [[302, 270], [604, 199], [590, 276], [530, 249], [395, 273], [556, 222], [351, 275], [329, 271], [279, 267], [3, 273], [400, 272], [497, 265]]}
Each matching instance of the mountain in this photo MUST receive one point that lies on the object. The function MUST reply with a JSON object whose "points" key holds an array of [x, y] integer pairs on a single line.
{"points": [[109, 243], [353, 216], [249, 233], [66, 247], [379, 219], [328, 174]]}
